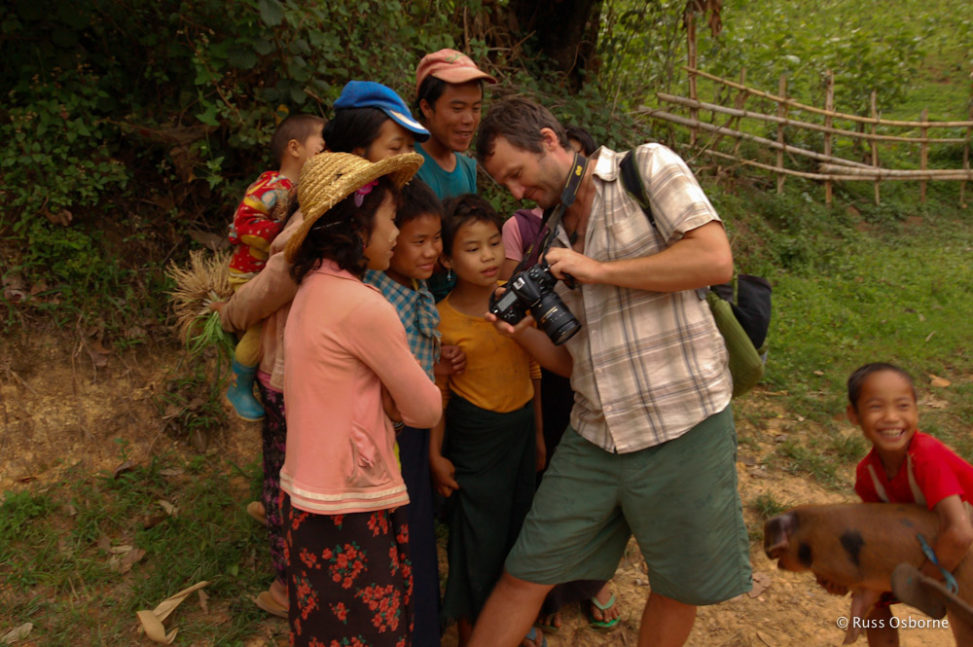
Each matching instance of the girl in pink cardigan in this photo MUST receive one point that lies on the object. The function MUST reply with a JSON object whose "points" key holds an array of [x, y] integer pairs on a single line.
{"points": [[350, 379]]}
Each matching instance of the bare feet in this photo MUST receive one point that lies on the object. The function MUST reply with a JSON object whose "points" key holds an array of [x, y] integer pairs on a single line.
{"points": [[549, 622]]}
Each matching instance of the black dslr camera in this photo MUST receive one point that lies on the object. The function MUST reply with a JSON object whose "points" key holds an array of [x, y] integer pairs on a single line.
{"points": [[533, 290]]}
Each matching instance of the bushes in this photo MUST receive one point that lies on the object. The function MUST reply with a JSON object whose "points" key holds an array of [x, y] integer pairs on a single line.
{"points": [[128, 124]]}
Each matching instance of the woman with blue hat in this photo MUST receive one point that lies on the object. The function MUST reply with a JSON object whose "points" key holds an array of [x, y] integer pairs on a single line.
{"points": [[373, 122]]}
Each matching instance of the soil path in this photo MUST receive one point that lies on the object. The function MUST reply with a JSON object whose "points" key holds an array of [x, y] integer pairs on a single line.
{"points": [[58, 413]]}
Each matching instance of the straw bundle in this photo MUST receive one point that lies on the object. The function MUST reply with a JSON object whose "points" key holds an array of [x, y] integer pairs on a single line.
{"points": [[204, 281]]}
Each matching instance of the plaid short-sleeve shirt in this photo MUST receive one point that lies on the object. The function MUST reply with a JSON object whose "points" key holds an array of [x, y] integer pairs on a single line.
{"points": [[417, 311], [648, 366]]}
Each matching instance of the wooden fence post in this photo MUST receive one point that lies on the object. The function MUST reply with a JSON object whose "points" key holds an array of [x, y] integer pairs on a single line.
{"points": [[739, 103], [782, 113], [691, 52], [829, 106], [923, 154], [874, 100], [966, 154]]}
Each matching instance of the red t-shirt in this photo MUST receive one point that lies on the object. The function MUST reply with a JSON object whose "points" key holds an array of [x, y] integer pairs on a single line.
{"points": [[253, 227], [936, 470]]}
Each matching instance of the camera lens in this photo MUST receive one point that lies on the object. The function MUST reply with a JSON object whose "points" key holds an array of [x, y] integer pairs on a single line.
{"points": [[555, 319]]}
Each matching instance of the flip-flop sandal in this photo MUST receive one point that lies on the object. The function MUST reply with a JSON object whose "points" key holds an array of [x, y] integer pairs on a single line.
{"points": [[532, 636], [269, 603], [256, 510], [594, 623], [547, 627]]}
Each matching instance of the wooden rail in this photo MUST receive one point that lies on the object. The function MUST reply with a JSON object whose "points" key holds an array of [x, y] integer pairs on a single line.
{"points": [[871, 131]]}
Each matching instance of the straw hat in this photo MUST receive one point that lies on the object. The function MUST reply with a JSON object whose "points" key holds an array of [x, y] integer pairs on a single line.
{"points": [[329, 178]]}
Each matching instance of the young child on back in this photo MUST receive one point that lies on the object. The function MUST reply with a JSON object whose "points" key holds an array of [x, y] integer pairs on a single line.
{"points": [[908, 466], [483, 454], [255, 225], [417, 248]]}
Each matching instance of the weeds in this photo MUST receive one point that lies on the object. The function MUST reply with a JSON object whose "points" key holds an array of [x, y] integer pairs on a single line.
{"points": [[191, 406], [56, 549], [766, 506]]}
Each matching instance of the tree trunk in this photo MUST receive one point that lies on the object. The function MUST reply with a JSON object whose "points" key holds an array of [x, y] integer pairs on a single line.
{"points": [[566, 31]]}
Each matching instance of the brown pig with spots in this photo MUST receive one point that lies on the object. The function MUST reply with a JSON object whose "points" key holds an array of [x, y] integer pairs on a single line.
{"points": [[856, 547]]}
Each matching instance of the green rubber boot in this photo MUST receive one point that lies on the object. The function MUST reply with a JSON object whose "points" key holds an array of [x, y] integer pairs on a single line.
{"points": [[240, 393]]}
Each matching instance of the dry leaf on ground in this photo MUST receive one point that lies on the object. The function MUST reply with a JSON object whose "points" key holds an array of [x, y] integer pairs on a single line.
{"points": [[17, 633], [152, 620], [938, 382]]}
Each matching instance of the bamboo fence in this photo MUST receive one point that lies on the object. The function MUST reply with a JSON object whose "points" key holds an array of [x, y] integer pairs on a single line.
{"points": [[866, 133]]}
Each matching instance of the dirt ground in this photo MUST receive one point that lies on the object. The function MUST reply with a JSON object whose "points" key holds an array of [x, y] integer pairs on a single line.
{"points": [[71, 408]]}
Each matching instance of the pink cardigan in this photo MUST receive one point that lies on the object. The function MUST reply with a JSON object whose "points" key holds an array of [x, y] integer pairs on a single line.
{"points": [[343, 342]]}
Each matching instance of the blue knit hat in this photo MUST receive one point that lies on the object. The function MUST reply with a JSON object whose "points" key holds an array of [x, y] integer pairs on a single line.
{"points": [[368, 94]]}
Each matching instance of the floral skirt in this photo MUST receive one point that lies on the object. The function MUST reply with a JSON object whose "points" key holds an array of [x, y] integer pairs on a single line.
{"points": [[349, 578]]}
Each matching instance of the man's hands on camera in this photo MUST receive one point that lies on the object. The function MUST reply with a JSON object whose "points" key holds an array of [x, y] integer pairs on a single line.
{"points": [[443, 475], [582, 269]]}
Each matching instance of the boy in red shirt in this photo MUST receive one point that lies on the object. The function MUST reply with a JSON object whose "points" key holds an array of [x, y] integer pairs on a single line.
{"points": [[255, 225], [908, 466]]}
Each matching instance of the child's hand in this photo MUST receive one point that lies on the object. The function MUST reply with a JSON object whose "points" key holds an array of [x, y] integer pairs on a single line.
{"points": [[831, 587], [508, 330], [443, 475], [540, 460], [452, 361]]}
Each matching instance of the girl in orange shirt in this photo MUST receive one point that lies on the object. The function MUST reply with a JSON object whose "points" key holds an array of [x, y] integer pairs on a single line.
{"points": [[483, 456]]}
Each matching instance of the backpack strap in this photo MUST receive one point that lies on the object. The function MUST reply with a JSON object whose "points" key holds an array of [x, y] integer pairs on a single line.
{"points": [[917, 494], [879, 488], [632, 181]]}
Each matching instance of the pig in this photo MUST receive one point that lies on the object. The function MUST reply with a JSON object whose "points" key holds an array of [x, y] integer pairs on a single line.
{"points": [[857, 546]]}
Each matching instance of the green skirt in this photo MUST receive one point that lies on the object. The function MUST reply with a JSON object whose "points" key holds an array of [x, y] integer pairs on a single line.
{"points": [[494, 456]]}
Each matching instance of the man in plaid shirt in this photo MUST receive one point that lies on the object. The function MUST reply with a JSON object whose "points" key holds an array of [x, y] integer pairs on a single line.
{"points": [[651, 446]]}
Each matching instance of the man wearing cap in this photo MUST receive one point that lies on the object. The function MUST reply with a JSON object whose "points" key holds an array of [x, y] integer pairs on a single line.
{"points": [[651, 446], [449, 96]]}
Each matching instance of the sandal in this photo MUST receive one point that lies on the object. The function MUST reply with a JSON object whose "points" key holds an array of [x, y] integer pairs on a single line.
{"points": [[256, 510], [532, 636], [266, 601], [588, 606]]}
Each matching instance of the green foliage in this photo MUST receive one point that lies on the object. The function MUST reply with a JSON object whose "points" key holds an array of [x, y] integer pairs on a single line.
{"points": [[642, 46], [54, 160], [157, 115]]}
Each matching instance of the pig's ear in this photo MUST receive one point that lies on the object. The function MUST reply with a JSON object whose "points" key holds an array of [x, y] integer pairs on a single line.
{"points": [[777, 532], [852, 415]]}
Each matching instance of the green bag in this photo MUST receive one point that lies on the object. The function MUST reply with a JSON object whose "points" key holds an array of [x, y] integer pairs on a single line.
{"points": [[741, 308], [746, 365]]}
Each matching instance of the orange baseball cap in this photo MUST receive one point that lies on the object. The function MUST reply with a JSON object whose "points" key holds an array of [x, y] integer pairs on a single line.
{"points": [[450, 66]]}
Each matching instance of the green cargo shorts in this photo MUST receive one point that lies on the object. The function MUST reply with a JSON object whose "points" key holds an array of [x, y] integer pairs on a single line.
{"points": [[679, 498]]}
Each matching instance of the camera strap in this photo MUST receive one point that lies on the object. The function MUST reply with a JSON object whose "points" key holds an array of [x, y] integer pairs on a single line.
{"points": [[552, 218]]}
